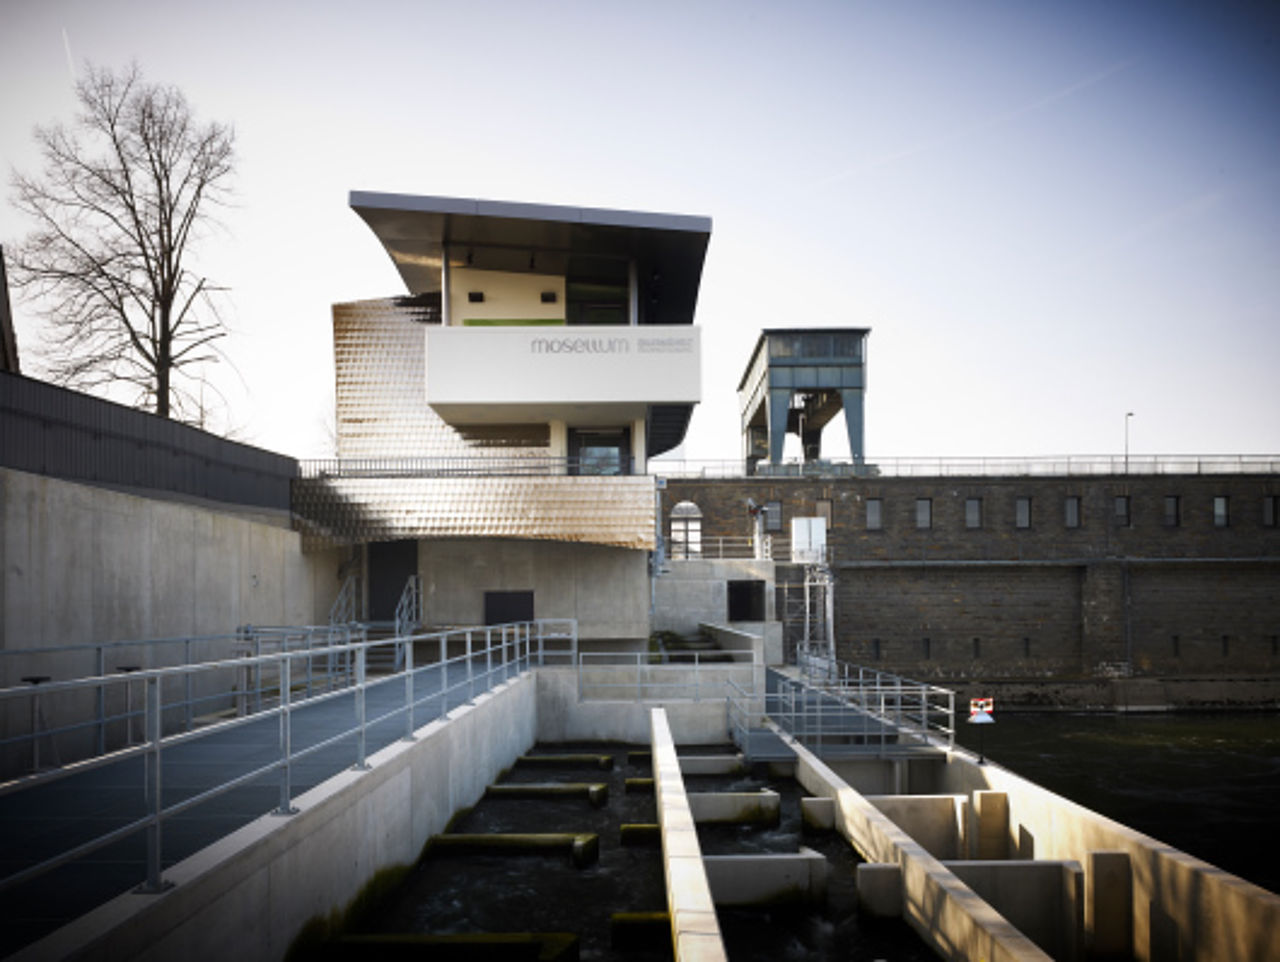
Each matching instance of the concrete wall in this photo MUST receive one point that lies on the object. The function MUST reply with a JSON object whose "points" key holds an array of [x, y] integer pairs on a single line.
{"points": [[563, 718], [606, 589], [696, 591], [247, 896], [1183, 908]]}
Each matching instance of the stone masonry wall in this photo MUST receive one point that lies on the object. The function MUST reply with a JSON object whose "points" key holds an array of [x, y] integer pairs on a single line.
{"points": [[1159, 594]]}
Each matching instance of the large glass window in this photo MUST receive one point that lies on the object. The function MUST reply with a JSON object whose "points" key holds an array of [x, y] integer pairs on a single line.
{"points": [[600, 451]]}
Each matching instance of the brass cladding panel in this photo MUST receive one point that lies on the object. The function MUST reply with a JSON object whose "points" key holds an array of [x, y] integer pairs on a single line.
{"points": [[616, 511], [379, 349]]}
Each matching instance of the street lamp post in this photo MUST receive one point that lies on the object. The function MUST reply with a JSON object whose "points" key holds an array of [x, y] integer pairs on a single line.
{"points": [[1128, 415]]}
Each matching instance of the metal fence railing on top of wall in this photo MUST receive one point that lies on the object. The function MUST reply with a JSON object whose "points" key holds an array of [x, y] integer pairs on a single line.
{"points": [[49, 430]]}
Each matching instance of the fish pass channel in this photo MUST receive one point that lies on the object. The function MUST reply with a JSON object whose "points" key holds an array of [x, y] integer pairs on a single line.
{"points": [[454, 894]]}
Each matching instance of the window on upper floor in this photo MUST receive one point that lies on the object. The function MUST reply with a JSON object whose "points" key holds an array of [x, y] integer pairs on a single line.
{"points": [[875, 514], [1172, 510], [1221, 511], [973, 512], [822, 508], [773, 516], [924, 513], [1121, 513], [1022, 513], [1071, 511], [1270, 503]]}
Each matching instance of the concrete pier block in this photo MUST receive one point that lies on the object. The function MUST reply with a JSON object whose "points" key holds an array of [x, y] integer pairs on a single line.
{"points": [[991, 811], [758, 808], [818, 813], [1109, 905], [880, 889], [1043, 899], [767, 879], [711, 764]]}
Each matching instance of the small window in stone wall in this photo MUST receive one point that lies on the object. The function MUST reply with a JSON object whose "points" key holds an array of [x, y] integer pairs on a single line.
{"points": [[822, 508], [1172, 510], [875, 514], [977, 648], [1026, 647], [926, 649], [1221, 511], [1071, 511], [1226, 645], [1269, 506], [1121, 512], [924, 513], [973, 512], [875, 649], [1022, 513], [1176, 646], [773, 516]]}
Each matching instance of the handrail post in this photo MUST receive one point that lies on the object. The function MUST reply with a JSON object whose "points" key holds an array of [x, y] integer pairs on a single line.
{"points": [[286, 740], [257, 673], [471, 690], [488, 658], [187, 714], [408, 692], [360, 709], [101, 700], [152, 789], [444, 674]]}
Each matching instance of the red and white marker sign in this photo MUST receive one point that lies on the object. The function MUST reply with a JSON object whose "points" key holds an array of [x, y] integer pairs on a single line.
{"points": [[984, 705]]}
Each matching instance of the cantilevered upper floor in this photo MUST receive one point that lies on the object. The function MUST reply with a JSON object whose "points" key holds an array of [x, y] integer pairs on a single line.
{"points": [[567, 317]]}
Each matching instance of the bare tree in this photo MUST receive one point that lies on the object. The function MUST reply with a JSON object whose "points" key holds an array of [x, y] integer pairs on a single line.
{"points": [[124, 194]]}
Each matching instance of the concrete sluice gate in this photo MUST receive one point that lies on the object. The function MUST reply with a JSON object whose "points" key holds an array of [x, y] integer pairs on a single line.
{"points": [[554, 862]]}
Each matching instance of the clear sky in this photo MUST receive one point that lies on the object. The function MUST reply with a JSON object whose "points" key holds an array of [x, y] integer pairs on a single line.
{"points": [[1048, 213]]}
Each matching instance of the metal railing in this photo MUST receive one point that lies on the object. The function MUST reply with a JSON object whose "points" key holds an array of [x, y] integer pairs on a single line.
{"points": [[91, 721], [465, 663], [922, 711], [467, 467], [1070, 465], [715, 548], [343, 609], [648, 676]]}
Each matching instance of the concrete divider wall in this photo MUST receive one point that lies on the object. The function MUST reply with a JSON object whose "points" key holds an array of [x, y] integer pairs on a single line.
{"points": [[946, 913], [936, 822], [763, 639], [247, 896], [562, 718], [1184, 909]]}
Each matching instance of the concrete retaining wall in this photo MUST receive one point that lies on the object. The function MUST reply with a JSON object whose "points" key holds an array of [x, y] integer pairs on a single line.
{"points": [[247, 896]]}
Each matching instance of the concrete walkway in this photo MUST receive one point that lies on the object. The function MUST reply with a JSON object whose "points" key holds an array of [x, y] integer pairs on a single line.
{"points": [[47, 819]]}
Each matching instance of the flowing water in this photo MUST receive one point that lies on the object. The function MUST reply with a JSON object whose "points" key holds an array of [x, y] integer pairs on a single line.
{"points": [[1208, 784]]}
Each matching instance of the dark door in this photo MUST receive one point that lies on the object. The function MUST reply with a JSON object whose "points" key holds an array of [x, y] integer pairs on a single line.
{"points": [[390, 565], [501, 607]]}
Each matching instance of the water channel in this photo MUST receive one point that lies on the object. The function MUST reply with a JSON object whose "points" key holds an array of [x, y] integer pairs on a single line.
{"points": [[475, 893], [1205, 783]]}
